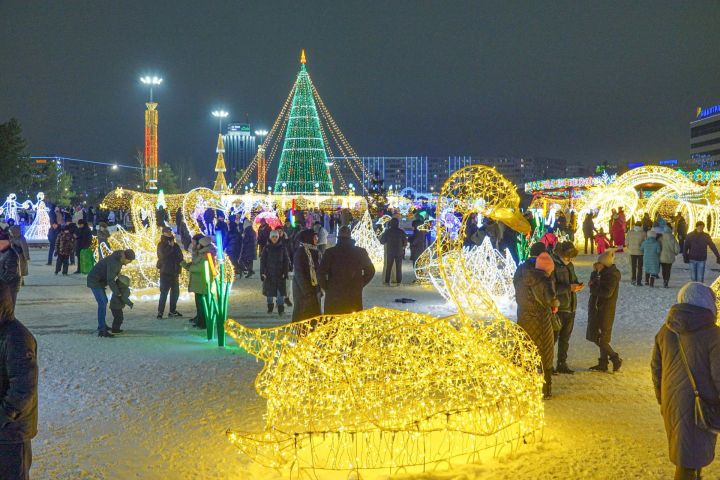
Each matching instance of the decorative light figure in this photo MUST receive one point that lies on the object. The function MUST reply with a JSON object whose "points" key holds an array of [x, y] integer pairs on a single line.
{"points": [[151, 135]]}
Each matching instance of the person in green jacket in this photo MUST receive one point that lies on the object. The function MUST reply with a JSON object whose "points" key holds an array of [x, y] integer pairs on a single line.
{"points": [[105, 274], [200, 247]]}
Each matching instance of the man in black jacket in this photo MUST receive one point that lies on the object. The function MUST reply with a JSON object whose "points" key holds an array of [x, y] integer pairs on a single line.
{"points": [[604, 289], [83, 239], [169, 259], [566, 287], [18, 391], [395, 241], [695, 252], [343, 273], [53, 233], [104, 274]]}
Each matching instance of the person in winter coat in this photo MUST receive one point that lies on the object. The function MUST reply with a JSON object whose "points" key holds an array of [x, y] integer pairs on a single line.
{"points": [[418, 242], [549, 239], [118, 302], [263, 234], [395, 241], [681, 229], [536, 303], [344, 271], [651, 257], [695, 252], [618, 230], [305, 286], [103, 238], [274, 268], [53, 233], [18, 388], [692, 321], [83, 240], [169, 262], [182, 230], [635, 238], [566, 287], [589, 233], [669, 249], [322, 234], [18, 242], [647, 222], [602, 241], [209, 220], [222, 227], [201, 246], [604, 289], [64, 247], [248, 250], [104, 274], [234, 242]]}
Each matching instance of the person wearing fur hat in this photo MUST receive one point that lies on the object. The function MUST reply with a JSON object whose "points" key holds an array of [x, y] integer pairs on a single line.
{"points": [[604, 289], [274, 268], [536, 304], [566, 287], [687, 345]]}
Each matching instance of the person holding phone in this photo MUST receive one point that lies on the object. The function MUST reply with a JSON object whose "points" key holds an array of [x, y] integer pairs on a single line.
{"points": [[566, 287]]}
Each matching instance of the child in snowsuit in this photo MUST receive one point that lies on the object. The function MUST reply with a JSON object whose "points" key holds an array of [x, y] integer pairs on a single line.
{"points": [[117, 303], [601, 241]]}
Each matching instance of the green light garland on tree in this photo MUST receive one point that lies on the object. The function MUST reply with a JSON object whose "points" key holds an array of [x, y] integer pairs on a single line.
{"points": [[303, 161]]}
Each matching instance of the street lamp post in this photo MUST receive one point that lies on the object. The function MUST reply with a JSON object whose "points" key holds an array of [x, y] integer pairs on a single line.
{"points": [[220, 114], [151, 134], [262, 134]]}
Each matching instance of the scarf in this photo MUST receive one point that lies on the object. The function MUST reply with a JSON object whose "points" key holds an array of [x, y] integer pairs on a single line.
{"points": [[311, 265]]}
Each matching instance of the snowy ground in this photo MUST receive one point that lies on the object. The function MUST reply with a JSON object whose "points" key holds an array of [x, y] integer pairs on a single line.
{"points": [[155, 403]]}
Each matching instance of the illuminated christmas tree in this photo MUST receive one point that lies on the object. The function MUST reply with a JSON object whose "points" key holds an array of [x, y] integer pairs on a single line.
{"points": [[304, 166], [220, 183]]}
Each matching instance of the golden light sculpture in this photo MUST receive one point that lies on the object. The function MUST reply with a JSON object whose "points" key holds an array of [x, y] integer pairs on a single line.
{"points": [[151, 145], [220, 184], [384, 391], [364, 235]]}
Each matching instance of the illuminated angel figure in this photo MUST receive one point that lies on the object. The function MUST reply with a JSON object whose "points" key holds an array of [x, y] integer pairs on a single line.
{"points": [[38, 230], [9, 208]]}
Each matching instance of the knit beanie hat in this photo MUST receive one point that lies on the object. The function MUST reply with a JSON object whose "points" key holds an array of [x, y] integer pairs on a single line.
{"points": [[607, 258], [695, 293], [545, 263], [537, 248], [566, 249]]}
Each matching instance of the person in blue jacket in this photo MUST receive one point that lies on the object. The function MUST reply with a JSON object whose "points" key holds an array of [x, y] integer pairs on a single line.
{"points": [[651, 257]]}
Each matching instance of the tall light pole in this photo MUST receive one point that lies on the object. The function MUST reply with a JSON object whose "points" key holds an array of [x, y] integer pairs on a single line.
{"points": [[151, 135], [262, 162], [220, 114], [262, 134], [220, 184]]}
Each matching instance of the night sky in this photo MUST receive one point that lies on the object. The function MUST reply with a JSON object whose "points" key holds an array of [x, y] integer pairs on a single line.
{"points": [[585, 81]]}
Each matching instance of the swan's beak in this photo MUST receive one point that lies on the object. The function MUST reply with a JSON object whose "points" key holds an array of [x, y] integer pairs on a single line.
{"points": [[512, 218]]}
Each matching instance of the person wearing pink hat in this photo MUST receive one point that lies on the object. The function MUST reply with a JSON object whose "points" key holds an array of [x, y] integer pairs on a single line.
{"points": [[536, 304]]}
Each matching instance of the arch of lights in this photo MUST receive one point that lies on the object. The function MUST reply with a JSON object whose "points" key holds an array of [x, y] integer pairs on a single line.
{"points": [[384, 391]]}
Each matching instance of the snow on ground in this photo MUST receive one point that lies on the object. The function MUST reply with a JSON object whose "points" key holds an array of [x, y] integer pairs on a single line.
{"points": [[155, 403]]}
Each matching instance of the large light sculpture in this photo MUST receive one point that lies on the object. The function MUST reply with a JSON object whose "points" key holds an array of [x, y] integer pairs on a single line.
{"points": [[38, 229], [9, 208], [364, 235], [384, 391], [151, 135]]}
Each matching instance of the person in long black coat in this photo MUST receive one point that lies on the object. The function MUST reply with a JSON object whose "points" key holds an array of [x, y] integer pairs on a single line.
{"points": [[536, 300], [305, 288], [395, 241], [169, 260], [604, 289], [417, 240], [344, 271], [248, 250], [274, 268], [691, 321], [234, 245]]}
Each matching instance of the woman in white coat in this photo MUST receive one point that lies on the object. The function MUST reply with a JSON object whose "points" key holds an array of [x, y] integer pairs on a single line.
{"points": [[669, 250]]}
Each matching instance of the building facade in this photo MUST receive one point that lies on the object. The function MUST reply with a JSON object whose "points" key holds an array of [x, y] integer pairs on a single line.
{"points": [[705, 137], [240, 148]]}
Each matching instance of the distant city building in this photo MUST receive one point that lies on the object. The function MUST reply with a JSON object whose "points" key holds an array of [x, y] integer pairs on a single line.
{"points": [[240, 148], [93, 180], [705, 137]]}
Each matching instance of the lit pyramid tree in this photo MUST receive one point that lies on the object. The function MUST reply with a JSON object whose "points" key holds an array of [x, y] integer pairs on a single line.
{"points": [[309, 144], [220, 183], [304, 166]]}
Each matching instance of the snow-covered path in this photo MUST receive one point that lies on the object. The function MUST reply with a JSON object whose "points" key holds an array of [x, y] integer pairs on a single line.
{"points": [[155, 403]]}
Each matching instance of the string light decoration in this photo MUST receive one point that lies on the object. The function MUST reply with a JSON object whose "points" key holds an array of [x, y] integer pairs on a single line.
{"points": [[38, 229], [9, 208], [364, 235], [312, 145], [384, 391], [220, 184], [387, 391]]}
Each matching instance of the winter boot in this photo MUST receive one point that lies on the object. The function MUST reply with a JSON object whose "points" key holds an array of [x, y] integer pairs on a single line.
{"points": [[647, 279], [665, 283], [602, 365], [281, 309], [288, 302], [547, 391], [563, 368], [270, 307], [105, 334], [616, 362]]}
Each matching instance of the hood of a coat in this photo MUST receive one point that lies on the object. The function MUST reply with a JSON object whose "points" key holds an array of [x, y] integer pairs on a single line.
{"points": [[531, 275], [686, 318]]}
